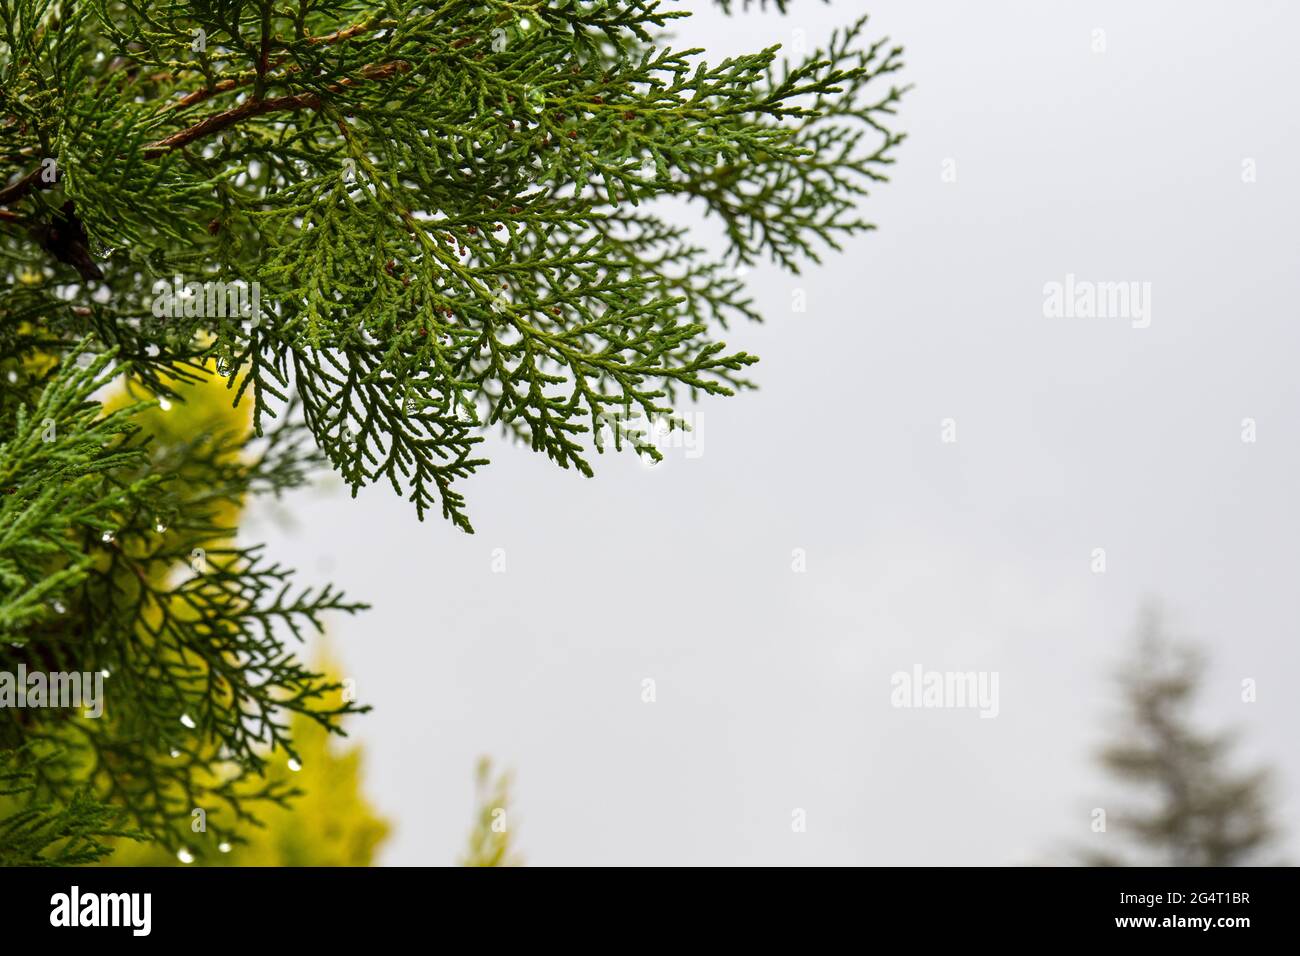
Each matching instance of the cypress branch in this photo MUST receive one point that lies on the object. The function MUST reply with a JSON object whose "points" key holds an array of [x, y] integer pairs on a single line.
{"points": [[451, 215]]}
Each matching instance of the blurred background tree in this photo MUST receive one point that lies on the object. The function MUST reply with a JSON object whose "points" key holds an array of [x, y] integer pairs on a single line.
{"points": [[324, 817], [330, 823], [490, 841], [319, 816], [1190, 806]]}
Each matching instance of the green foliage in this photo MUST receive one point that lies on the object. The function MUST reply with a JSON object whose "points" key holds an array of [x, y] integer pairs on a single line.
{"points": [[451, 213], [42, 835], [330, 824], [53, 473], [115, 557], [447, 206], [1194, 809]]}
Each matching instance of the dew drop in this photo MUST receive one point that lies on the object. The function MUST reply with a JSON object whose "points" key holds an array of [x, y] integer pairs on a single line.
{"points": [[294, 765], [188, 721], [184, 855]]}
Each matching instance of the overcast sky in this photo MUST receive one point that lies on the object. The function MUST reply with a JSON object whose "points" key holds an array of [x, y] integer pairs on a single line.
{"points": [[1072, 434]]}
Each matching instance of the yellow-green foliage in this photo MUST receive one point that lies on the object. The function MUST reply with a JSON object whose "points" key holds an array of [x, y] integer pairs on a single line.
{"points": [[490, 842], [205, 412], [330, 824]]}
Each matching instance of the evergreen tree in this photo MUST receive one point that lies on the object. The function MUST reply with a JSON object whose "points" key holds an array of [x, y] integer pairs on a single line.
{"points": [[1192, 808], [382, 227]]}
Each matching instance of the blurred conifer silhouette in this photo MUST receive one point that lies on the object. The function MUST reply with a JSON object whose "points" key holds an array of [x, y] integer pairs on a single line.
{"points": [[1196, 809]]}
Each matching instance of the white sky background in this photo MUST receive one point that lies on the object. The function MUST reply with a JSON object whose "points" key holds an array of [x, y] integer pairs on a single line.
{"points": [[773, 687]]}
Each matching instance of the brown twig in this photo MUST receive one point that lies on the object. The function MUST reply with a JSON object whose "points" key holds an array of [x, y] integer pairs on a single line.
{"points": [[225, 86], [227, 118], [219, 121], [11, 194]]}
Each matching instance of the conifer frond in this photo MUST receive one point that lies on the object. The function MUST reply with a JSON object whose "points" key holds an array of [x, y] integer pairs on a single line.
{"points": [[448, 207], [447, 217], [55, 489], [40, 835], [116, 557]]}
